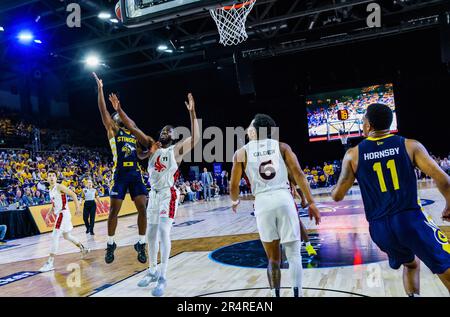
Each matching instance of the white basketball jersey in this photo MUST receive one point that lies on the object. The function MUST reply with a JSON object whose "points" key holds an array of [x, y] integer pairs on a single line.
{"points": [[266, 168], [59, 200], [162, 168]]}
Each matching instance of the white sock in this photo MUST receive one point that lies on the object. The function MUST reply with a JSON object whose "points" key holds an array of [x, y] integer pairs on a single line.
{"points": [[141, 239], [111, 239], [55, 243], [294, 258], [153, 246], [165, 227], [51, 260]]}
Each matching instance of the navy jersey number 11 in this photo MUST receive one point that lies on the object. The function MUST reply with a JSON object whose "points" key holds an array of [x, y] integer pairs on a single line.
{"points": [[386, 176]]}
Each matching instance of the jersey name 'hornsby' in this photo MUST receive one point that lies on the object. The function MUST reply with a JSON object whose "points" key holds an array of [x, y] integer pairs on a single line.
{"points": [[381, 154]]}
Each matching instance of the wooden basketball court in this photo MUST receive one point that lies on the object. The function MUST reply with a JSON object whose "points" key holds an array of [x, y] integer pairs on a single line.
{"points": [[200, 228]]}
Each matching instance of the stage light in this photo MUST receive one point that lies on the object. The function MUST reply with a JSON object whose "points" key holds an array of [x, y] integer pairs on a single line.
{"points": [[25, 36], [162, 47], [2, 29], [168, 51], [113, 20], [92, 61], [104, 15], [38, 41]]}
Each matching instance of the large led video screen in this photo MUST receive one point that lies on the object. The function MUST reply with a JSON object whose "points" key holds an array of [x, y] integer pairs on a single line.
{"points": [[340, 112]]}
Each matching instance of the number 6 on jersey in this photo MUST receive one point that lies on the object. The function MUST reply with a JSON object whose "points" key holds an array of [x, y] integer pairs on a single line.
{"points": [[266, 170]]}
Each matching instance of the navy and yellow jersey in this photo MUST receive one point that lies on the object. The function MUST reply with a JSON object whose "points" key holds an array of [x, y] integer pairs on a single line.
{"points": [[127, 174], [124, 150], [386, 177]]}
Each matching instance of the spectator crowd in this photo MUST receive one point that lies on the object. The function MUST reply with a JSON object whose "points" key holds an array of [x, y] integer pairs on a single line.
{"points": [[444, 164], [194, 190], [8, 127], [23, 175], [23, 178], [323, 176]]}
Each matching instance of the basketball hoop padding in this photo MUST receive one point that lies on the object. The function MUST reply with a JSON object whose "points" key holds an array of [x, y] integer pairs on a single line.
{"points": [[230, 21]]}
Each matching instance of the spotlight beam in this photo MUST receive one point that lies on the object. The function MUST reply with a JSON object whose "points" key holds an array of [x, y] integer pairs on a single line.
{"points": [[12, 5]]}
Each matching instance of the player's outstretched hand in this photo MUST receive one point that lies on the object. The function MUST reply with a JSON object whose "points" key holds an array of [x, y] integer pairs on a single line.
{"points": [[114, 101], [446, 214], [190, 104], [314, 213], [155, 146], [98, 80]]}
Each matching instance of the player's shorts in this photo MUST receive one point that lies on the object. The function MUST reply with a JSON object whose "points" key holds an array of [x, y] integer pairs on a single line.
{"points": [[162, 204], [63, 222], [124, 181], [277, 217], [409, 233]]}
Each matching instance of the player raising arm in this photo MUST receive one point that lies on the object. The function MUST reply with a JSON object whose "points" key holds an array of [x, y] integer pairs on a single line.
{"points": [[126, 177], [181, 148], [164, 160], [145, 140]]}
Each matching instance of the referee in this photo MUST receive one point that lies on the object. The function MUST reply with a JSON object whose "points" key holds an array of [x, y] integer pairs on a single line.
{"points": [[90, 195]]}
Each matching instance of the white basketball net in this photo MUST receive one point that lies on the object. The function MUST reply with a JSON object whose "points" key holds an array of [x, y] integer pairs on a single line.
{"points": [[230, 22], [343, 136]]}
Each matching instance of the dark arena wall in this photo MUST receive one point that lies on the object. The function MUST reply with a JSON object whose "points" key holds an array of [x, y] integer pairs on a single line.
{"points": [[411, 61]]}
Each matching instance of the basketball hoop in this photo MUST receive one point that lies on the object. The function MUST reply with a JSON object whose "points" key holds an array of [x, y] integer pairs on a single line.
{"points": [[343, 136], [344, 139], [230, 21]]}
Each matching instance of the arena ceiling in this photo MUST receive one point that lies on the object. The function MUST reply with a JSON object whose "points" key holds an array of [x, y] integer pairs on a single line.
{"points": [[275, 27]]}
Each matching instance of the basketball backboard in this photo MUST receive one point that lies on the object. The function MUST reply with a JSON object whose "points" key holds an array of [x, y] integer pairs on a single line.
{"points": [[136, 13], [348, 127]]}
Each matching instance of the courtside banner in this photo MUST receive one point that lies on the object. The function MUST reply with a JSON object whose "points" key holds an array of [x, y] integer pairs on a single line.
{"points": [[40, 212]]}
